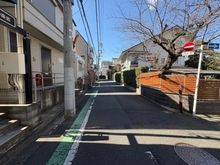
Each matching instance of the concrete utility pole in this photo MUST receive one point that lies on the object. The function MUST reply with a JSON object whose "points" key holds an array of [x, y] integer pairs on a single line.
{"points": [[69, 82]]}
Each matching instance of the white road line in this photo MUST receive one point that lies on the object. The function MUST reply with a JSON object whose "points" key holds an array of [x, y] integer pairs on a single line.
{"points": [[74, 147]]}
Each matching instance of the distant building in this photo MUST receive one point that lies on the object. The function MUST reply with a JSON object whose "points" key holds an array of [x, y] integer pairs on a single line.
{"points": [[85, 51], [133, 56], [116, 61], [105, 67]]}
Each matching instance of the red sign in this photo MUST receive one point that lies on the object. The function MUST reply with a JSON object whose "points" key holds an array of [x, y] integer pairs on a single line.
{"points": [[189, 46]]}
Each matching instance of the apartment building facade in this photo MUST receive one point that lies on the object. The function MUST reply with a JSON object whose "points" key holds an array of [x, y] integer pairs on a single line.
{"points": [[36, 38], [43, 22]]}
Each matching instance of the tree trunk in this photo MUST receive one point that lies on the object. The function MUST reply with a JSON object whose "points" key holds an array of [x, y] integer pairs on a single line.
{"points": [[169, 62]]}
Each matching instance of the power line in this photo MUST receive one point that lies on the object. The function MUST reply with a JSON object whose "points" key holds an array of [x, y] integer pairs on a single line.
{"points": [[84, 5], [83, 22], [84, 14]]}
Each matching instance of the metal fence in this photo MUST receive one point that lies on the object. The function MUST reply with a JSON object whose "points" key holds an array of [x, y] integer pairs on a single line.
{"points": [[42, 81]]}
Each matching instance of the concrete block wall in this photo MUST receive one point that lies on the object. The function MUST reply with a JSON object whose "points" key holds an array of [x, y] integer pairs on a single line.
{"points": [[208, 107], [171, 100], [50, 97], [27, 114], [31, 114]]}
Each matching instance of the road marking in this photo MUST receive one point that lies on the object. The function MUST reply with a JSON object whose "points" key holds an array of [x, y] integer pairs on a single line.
{"points": [[151, 156], [66, 150]]}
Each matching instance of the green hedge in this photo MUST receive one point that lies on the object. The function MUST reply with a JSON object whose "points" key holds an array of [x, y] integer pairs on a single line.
{"points": [[117, 76], [138, 71], [102, 77], [130, 77]]}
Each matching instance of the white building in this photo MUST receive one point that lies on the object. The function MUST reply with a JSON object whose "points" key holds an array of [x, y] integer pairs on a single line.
{"points": [[136, 55], [105, 67], [116, 61]]}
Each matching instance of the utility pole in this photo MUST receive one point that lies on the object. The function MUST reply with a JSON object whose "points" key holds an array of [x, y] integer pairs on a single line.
{"points": [[69, 81], [98, 57]]}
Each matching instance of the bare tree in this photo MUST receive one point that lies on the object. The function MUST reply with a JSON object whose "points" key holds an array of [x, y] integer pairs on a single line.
{"points": [[150, 20]]}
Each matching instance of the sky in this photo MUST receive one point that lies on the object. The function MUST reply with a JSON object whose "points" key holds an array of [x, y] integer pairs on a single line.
{"points": [[113, 42]]}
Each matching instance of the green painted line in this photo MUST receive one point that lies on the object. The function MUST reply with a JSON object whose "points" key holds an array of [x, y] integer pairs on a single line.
{"points": [[62, 150]]}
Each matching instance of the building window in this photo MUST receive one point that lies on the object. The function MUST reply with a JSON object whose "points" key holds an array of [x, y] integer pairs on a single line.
{"points": [[47, 8], [12, 41]]}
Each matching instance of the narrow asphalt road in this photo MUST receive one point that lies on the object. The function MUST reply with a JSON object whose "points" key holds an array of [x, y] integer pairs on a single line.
{"points": [[119, 127]]}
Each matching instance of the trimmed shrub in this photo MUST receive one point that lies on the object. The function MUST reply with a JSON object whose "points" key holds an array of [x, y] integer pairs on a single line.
{"points": [[102, 77], [138, 71], [131, 77], [117, 76]]}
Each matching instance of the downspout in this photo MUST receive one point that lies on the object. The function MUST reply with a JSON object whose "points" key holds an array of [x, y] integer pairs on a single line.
{"points": [[21, 82]]}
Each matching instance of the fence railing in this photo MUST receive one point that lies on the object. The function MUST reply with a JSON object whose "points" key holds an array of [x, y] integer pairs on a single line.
{"points": [[42, 81]]}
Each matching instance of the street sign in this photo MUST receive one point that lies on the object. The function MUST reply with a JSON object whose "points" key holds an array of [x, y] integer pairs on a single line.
{"points": [[188, 53], [7, 18], [189, 46], [213, 45]]}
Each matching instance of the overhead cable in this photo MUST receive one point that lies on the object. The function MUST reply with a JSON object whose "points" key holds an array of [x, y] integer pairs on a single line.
{"points": [[84, 14], [87, 35]]}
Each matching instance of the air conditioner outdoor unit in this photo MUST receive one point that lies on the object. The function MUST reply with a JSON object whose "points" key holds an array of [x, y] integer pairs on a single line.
{"points": [[12, 63]]}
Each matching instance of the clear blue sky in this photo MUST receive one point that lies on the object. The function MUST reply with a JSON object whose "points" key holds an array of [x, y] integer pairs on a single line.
{"points": [[113, 42]]}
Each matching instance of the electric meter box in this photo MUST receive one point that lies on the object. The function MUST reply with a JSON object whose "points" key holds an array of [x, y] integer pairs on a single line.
{"points": [[12, 63]]}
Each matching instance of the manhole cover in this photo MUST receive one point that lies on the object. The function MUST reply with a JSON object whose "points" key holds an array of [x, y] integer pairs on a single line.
{"points": [[193, 155]]}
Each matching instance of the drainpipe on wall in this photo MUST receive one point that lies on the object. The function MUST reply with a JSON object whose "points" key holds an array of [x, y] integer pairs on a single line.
{"points": [[21, 82]]}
